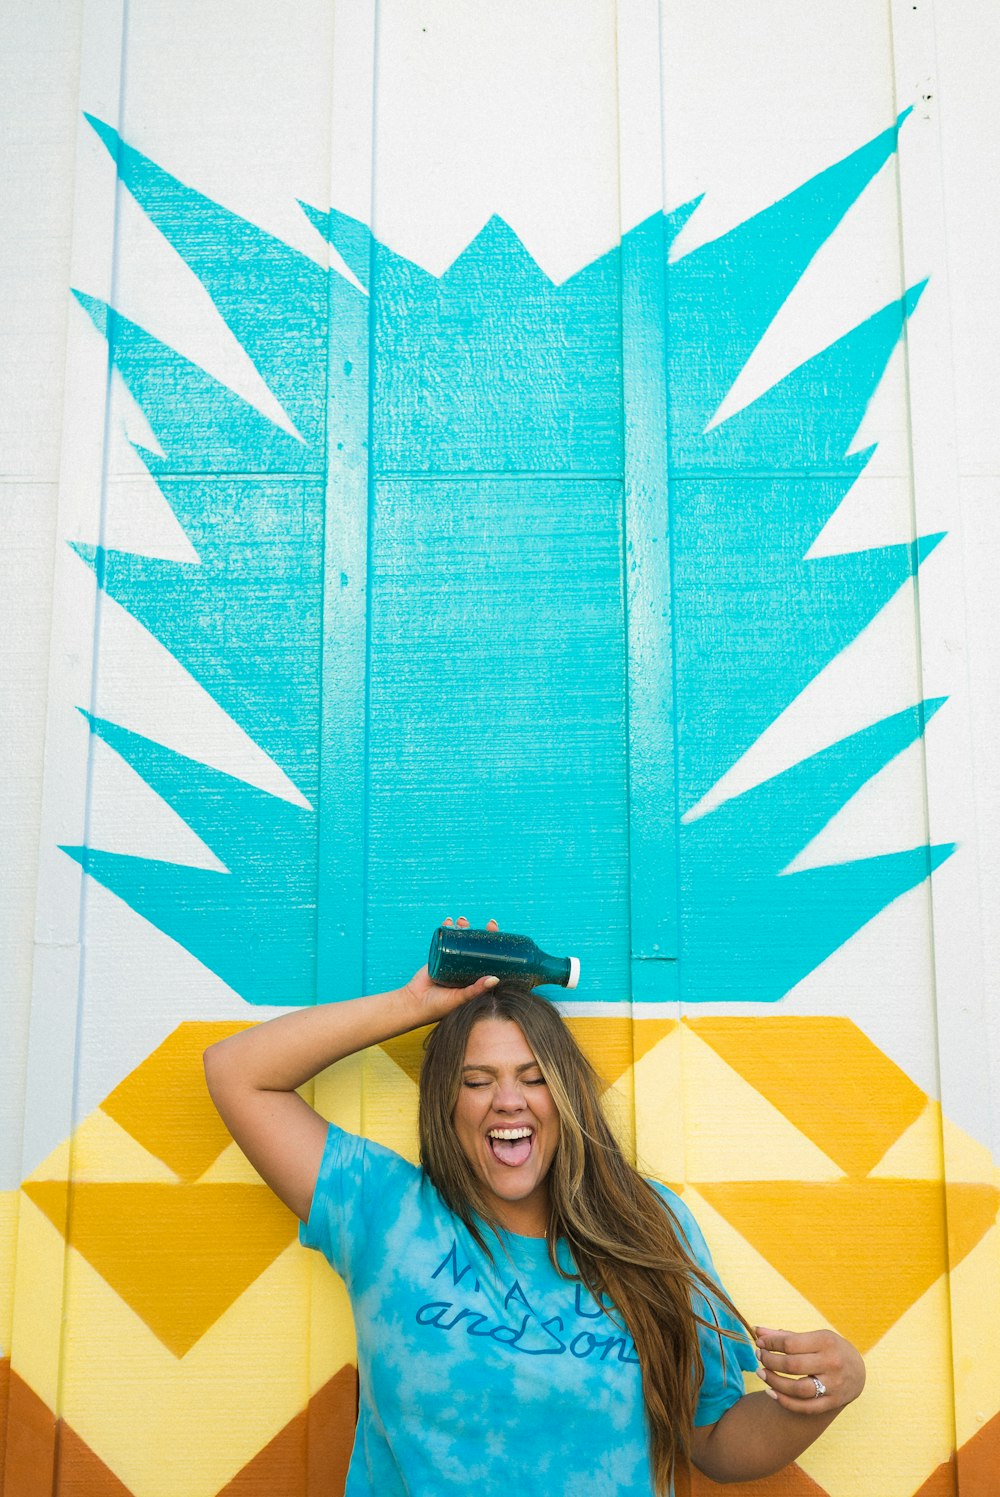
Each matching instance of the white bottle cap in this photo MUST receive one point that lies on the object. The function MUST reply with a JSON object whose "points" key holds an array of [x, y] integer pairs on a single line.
{"points": [[574, 972]]}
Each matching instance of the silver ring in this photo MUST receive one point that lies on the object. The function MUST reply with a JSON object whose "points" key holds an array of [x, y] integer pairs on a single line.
{"points": [[820, 1385]]}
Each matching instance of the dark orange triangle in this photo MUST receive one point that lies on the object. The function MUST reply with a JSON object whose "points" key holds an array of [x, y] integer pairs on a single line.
{"points": [[979, 1462], [974, 1472], [791, 1482], [44, 1455], [309, 1457], [943, 1482], [178, 1255], [29, 1464], [80, 1473]]}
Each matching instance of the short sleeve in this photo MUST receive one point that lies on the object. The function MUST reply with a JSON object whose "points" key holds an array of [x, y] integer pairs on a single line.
{"points": [[356, 1178], [724, 1358]]}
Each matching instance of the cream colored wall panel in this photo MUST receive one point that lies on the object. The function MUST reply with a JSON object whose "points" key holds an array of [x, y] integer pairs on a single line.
{"points": [[39, 72], [28, 510]]}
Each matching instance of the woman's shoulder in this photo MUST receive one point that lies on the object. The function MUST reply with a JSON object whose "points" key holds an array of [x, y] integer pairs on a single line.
{"points": [[362, 1186], [346, 1151]]}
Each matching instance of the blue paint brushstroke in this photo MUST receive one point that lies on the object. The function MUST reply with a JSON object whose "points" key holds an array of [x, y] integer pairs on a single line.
{"points": [[750, 931], [490, 367]]}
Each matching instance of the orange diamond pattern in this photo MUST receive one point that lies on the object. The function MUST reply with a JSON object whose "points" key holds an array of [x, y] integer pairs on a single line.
{"points": [[178, 1255], [887, 1249], [862, 1249], [825, 1076], [164, 1103]]}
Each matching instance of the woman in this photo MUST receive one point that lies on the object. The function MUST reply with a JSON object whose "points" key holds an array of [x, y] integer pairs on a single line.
{"points": [[530, 1313]]}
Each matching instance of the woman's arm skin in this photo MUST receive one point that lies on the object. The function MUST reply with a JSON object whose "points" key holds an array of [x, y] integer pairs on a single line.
{"points": [[252, 1075], [763, 1432]]}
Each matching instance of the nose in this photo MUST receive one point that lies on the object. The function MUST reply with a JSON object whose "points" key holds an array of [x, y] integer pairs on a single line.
{"points": [[509, 1096]]}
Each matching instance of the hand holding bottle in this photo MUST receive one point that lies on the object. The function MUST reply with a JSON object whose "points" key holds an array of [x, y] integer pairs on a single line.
{"points": [[431, 1000]]}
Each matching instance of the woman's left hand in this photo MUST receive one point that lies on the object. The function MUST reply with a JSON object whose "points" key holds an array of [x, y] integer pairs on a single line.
{"points": [[810, 1372]]}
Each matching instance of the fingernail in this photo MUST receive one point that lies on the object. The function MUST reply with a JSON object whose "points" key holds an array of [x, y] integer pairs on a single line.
{"points": [[771, 1394], [762, 1372], [491, 982]]}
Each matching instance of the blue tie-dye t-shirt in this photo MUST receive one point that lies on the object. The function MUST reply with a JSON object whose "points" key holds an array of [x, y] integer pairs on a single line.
{"points": [[485, 1377]]}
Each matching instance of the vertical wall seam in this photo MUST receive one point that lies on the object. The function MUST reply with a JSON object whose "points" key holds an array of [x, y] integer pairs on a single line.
{"points": [[95, 668], [369, 531], [623, 554], [925, 808], [318, 966], [674, 678]]}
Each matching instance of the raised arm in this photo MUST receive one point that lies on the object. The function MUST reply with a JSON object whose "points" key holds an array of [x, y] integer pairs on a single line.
{"points": [[252, 1076]]}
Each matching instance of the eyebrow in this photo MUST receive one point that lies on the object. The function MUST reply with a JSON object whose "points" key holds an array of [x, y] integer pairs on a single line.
{"points": [[529, 1065]]}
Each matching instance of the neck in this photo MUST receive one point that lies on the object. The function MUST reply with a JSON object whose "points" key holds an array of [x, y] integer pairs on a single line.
{"points": [[524, 1218]]}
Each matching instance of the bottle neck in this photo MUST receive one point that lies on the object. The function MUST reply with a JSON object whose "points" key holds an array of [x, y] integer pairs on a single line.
{"points": [[555, 969]]}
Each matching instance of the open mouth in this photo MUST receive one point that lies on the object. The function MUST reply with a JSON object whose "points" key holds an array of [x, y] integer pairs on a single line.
{"points": [[511, 1146]]}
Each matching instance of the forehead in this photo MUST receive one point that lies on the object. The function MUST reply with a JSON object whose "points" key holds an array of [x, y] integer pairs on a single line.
{"points": [[497, 1043]]}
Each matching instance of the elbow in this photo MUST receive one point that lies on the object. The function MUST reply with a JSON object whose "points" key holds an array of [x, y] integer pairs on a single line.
{"points": [[216, 1066]]}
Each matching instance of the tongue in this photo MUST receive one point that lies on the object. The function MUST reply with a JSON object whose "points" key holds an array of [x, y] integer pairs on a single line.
{"points": [[511, 1150]]}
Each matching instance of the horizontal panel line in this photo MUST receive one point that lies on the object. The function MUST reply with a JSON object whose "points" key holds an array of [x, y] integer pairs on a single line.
{"points": [[322, 474], [313, 475], [24, 479], [641, 956], [542, 474], [719, 474]]}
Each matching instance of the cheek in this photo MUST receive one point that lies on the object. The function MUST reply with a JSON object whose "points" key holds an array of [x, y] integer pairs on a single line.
{"points": [[466, 1129]]}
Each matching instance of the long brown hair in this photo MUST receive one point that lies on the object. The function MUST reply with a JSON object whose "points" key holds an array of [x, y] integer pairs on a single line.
{"points": [[624, 1240]]}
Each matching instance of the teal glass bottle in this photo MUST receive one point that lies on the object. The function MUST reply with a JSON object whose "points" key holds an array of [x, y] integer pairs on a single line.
{"points": [[459, 957]]}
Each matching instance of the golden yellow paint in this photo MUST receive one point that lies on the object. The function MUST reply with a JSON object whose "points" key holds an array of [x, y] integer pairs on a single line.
{"points": [[966, 1158], [917, 1154], [901, 1428], [741, 1127], [390, 1099], [166, 1426], [8, 1254], [178, 1255], [659, 1131], [336, 1093], [407, 1050], [231, 1168], [101, 1150], [177, 1370], [164, 1103], [613, 1044], [619, 1107], [827, 1078], [862, 1251], [975, 1291], [610, 1043], [933, 1146], [763, 1295], [37, 1320]]}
